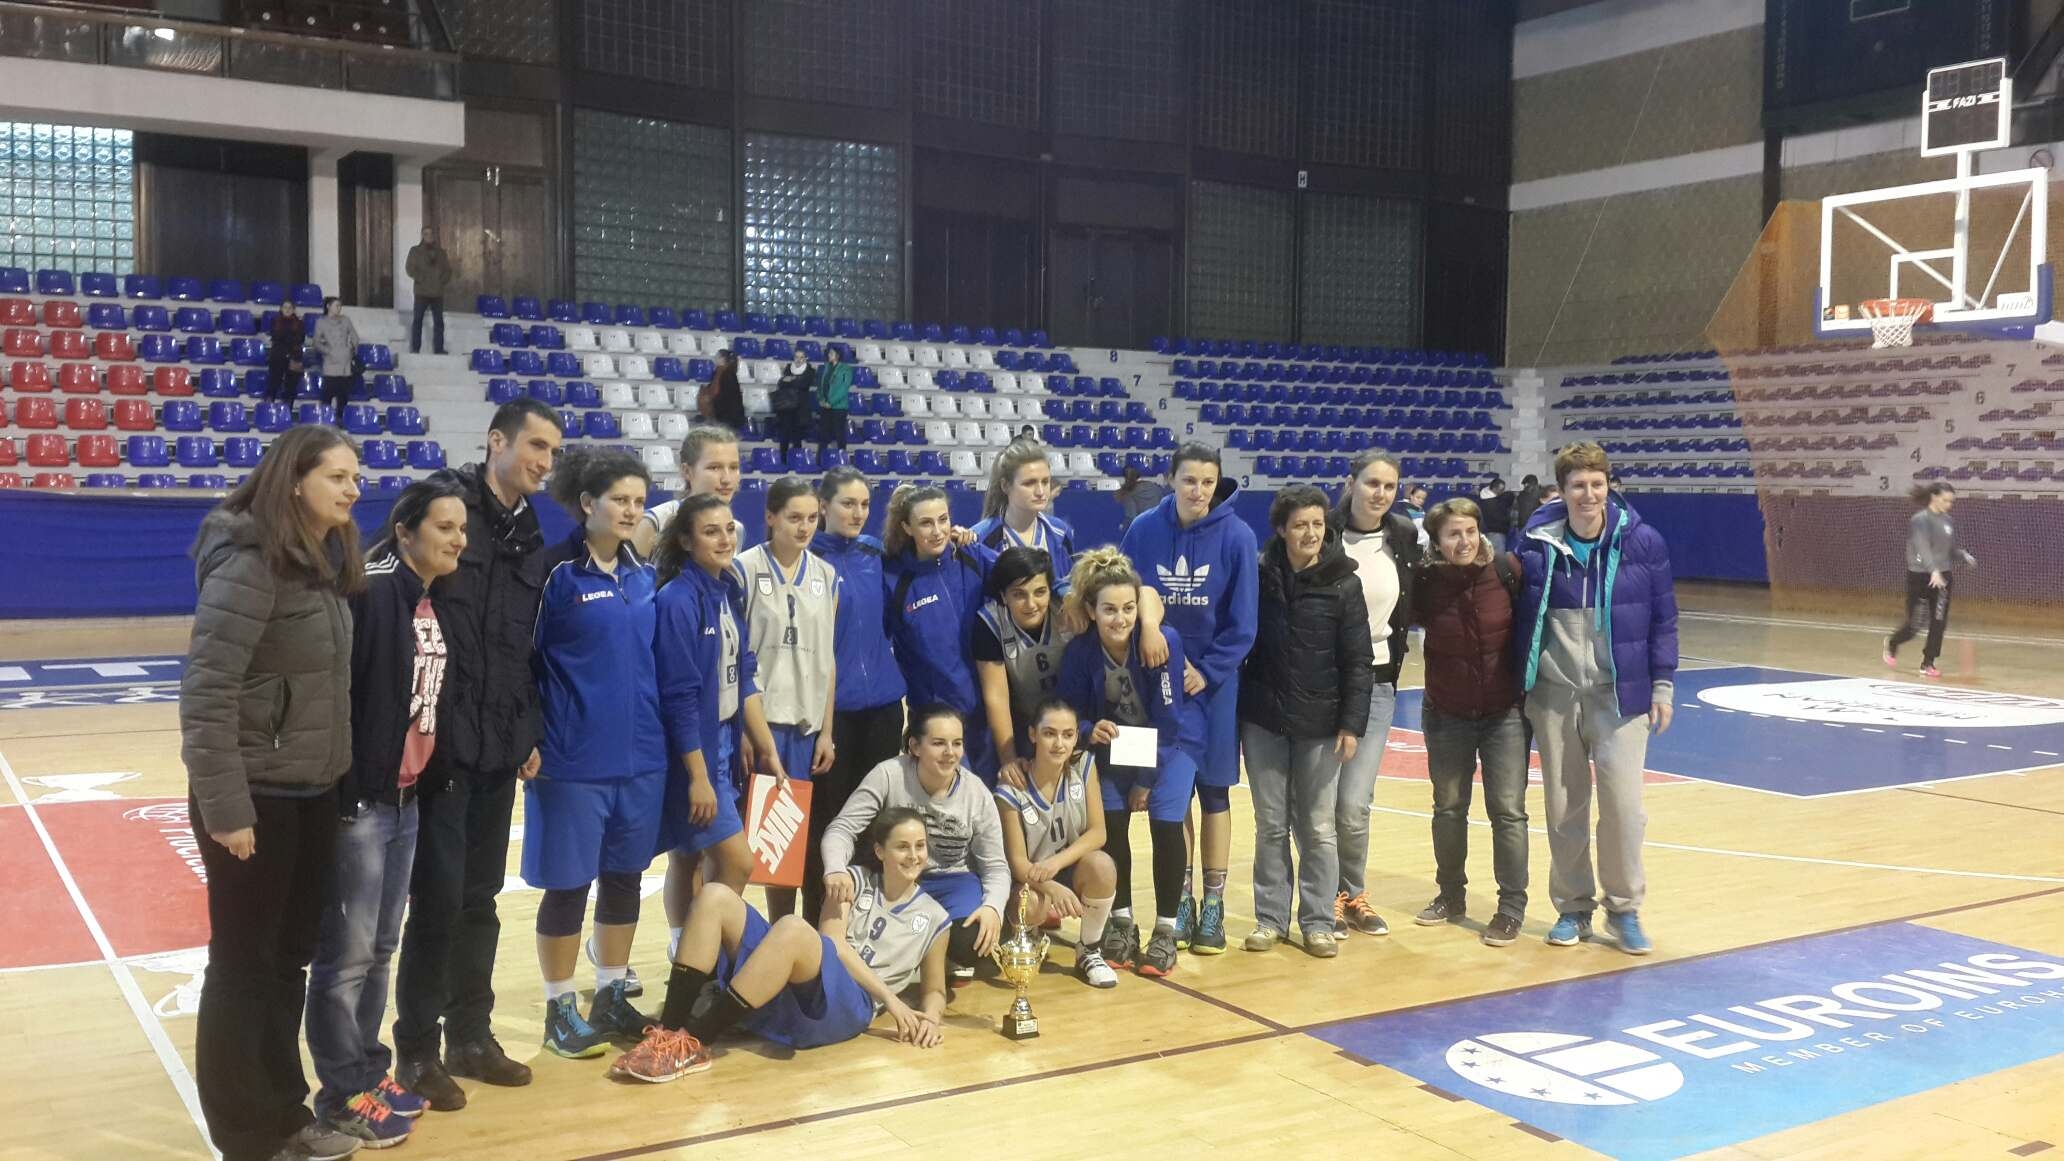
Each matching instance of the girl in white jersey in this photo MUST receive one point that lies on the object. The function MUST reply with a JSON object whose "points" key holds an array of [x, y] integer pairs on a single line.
{"points": [[791, 606], [710, 463], [1053, 835]]}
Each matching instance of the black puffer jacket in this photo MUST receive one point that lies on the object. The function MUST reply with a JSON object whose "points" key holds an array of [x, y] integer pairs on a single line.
{"points": [[1309, 673], [1403, 537], [488, 610]]}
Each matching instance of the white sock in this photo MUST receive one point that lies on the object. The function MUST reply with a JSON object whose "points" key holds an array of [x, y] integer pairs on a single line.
{"points": [[673, 943], [1124, 913], [1167, 921], [557, 988], [1095, 914], [605, 976]]}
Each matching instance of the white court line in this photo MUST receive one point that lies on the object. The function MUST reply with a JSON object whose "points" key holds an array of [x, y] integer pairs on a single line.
{"points": [[1775, 858], [1744, 619], [125, 979]]}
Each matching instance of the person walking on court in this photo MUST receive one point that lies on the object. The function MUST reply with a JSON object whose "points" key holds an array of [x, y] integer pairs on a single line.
{"points": [[487, 740], [398, 662], [1384, 544], [1304, 706], [1470, 713], [430, 270], [792, 397], [1931, 559], [1598, 645], [336, 340], [265, 736], [834, 402], [284, 340]]}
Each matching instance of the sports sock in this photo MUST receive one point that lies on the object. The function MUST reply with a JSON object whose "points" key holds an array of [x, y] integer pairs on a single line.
{"points": [[1124, 913], [605, 976], [683, 985], [1162, 922], [1095, 914], [1214, 884], [1189, 881], [717, 1007], [673, 943], [557, 988]]}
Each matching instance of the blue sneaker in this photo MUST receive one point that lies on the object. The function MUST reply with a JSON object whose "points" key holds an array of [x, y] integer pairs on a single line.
{"points": [[1626, 928], [568, 1034], [367, 1118], [1570, 928], [400, 1101], [1185, 919], [1209, 938], [612, 1016]]}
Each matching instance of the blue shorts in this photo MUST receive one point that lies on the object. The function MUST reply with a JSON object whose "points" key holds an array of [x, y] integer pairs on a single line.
{"points": [[1220, 763], [1168, 800], [980, 752], [797, 750], [675, 832], [830, 1009], [959, 892], [574, 830]]}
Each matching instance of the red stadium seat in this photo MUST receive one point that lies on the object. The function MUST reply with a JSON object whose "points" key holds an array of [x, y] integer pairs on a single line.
{"points": [[70, 345], [114, 347], [58, 313], [35, 412], [29, 377], [99, 451], [54, 480], [85, 414], [135, 415], [49, 451], [127, 381], [22, 344], [17, 312], [78, 379], [10, 480], [172, 381]]}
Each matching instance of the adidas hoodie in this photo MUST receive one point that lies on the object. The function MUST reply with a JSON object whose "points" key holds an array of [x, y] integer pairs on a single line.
{"points": [[1208, 578]]}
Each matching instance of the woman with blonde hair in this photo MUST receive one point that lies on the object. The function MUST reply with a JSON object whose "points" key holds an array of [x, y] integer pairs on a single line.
{"points": [[1018, 511]]}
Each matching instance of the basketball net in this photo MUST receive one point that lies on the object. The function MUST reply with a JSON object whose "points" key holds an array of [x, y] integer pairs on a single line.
{"points": [[1892, 320]]}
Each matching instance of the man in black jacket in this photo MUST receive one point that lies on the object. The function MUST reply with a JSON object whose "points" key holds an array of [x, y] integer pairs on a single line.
{"points": [[487, 740]]}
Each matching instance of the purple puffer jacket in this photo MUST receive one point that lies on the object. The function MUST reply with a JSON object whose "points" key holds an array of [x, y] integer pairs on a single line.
{"points": [[1631, 568]]}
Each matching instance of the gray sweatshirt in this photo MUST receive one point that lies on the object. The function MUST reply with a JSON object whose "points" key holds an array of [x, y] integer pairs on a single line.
{"points": [[1931, 543], [961, 827]]}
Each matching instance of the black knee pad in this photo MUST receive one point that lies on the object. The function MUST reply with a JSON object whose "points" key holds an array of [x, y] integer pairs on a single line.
{"points": [[559, 914], [1216, 799], [616, 898]]}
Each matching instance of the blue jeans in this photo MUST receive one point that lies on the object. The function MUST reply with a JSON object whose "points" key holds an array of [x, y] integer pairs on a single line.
{"points": [[1454, 746], [1295, 782], [361, 925], [1358, 789]]}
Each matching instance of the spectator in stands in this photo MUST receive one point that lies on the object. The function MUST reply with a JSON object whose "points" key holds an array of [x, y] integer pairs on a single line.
{"points": [[1136, 495], [1931, 557], [1494, 504], [1470, 712], [1200, 556], [1381, 540], [1029, 432], [283, 354], [1018, 510], [265, 723], [721, 400], [398, 660], [1525, 503], [430, 269], [1304, 706], [1599, 651], [486, 611], [834, 401], [1612, 482], [336, 340], [792, 398]]}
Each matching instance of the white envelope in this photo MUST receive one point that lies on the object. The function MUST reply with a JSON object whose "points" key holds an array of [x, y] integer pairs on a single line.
{"points": [[1136, 746]]}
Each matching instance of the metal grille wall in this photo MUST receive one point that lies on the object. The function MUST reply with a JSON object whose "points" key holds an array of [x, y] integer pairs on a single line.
{"points": [[518, 30], [1367, 83], [681, 42], [1117, 68], [1361, 270], [823, 50], [1241, 243], [1246, 81], [67, 198], [1472, 89], [651, 211], [978, 60], [823, 227]]}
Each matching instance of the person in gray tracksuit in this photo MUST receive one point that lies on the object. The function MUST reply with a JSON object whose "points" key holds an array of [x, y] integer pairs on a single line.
{"points": [[1931, 555]]}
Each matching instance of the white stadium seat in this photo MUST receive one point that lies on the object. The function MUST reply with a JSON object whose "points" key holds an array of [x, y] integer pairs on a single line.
{"points": [[964, 463], [999, 433], [659, 458], [1031, 384], [939, 433], [927, 356], [746, 374], [650, 343], [673, 426], [975, 406], [639, 425], [890, 377], [868, 353], [681, 343], [1082, 463], [1002, 407], [768, 372], [619, 395], [983, 359], [635, 367], [1005, 381], [616, 342], [655, 397], [955, 357], [916, 405], [968, 433], [900, 355], [759, 400], [599, 367], [945, 406], [919, 378], [581, 339]]}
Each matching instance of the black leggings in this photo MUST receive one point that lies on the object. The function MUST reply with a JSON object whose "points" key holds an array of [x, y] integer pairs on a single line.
{"points": [[1171, 860], [1927, 611], [789, 427]]}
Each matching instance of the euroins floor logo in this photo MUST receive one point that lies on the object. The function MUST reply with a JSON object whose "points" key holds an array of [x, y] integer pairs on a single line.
{"points": [[1662, 1061]]}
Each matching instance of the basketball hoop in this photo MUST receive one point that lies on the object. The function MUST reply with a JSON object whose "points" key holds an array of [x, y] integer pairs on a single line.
{"points": [[1892, 320]]}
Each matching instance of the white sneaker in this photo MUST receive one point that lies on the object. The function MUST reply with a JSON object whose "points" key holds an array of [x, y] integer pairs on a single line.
{"points": [[1091, 969]]}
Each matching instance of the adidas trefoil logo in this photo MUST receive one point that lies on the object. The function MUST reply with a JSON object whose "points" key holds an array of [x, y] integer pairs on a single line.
{"points": [[1182, 584]]}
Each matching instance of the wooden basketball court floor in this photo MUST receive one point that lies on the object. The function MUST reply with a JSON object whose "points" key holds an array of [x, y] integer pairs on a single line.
{"points": [[1225, 1058]]}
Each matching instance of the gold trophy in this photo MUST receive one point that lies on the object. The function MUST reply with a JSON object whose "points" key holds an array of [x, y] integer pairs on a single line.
{"points": [[1018, 958]]}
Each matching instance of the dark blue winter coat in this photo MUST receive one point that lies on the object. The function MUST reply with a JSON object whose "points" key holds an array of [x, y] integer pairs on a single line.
{"points": [[867, 672], [1628, 574]]}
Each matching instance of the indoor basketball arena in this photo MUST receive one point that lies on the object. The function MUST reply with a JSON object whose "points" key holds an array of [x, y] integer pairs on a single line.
{"points": [[599, 579]]}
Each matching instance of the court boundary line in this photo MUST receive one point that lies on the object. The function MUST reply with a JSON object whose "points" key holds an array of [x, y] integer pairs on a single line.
{"points": [[1268, 1032], [1984, 801], [175, 1068], [1851, 627]]}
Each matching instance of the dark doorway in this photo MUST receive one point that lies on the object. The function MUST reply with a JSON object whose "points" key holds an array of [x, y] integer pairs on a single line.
{"points": [[1109, 288], [495, 222]]}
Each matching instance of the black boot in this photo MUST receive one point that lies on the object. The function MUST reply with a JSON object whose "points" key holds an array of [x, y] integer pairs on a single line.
{"points": [[485, 1060], [425, 1076]]}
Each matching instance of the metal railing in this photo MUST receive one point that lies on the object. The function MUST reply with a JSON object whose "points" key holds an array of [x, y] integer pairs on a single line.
{"points": [[130, 39]]}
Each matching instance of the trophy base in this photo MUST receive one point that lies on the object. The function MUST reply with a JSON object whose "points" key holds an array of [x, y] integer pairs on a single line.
{"points": [[1016, 1027]]}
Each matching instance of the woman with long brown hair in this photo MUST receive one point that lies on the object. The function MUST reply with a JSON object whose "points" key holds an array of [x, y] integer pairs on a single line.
{"points": [[265, 724]]}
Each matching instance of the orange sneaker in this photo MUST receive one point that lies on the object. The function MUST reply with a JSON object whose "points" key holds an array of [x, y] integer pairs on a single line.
{"points": [[1359, 915], [664, 1054]]}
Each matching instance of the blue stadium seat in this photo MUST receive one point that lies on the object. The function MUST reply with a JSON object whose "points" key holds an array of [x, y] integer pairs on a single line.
{"points": [[776, 349], [669, 368], [816, 325], [580, 394], [227, 290], [99, 284], [393, 485], [786, 324], [563, 364], [597, 314], [228, 416], [526, 362], [268, 293], [152, 319], [570, 423], [488, 361], [695, 319], [272, 418], [875, 328], [381, 455], [560, 310], [725, 320], [506, 334], [107, 316], [242, 451], [236, 320], [361, 419], [376, 356], [205, 350], [628, 315], [425, 455], [602, 425], [158, 349], [54, 282], [392, 388], [133, 286], [907, 432], [500, 391], [217, 383], [185, 289], [526, 308], [307, 295], [746, 347], [196, 451], [491, 306], [547, 391], [405, 420], [846, 328], [662, 317]]}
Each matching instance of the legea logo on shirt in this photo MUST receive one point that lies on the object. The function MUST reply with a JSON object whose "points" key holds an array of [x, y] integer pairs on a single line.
{"points": [[1182, 584], [597, 595], [921, 602]]}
